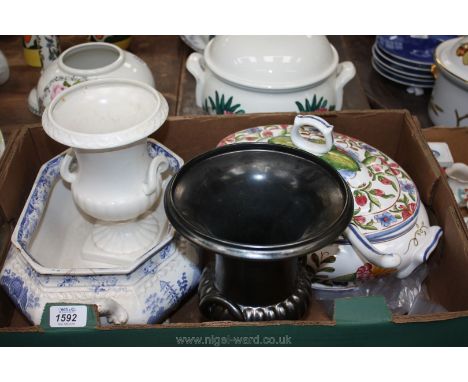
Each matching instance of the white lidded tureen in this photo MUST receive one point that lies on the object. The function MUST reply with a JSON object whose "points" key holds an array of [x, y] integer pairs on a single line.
{"points": [[449, 101], [390, 229], [249, 74], [85, 62]]}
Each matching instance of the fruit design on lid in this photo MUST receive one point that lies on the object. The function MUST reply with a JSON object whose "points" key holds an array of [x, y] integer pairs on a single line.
{"points": [[462, 51]]}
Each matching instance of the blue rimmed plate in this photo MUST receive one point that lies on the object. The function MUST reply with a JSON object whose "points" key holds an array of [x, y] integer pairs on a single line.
{"points": [[400, 69], [412, 49], [400, 79]]}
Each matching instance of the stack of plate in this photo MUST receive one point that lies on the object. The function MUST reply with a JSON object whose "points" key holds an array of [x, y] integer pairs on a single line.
{"points": [[406, 60]]}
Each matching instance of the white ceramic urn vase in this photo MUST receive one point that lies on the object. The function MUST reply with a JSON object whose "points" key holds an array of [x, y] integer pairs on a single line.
{"points": [[113, 179], [253, 74]]}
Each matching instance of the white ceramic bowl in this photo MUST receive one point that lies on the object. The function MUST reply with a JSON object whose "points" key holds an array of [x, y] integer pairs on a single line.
{"points": [[86, 62], [249, 74], [449, 101]]}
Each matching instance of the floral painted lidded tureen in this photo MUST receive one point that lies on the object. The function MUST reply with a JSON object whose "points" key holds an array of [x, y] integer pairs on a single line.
{"points": [[390, 229]]}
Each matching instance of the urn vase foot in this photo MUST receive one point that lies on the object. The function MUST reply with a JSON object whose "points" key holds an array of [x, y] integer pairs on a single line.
{"points": [[116, 242], [216, 306]]}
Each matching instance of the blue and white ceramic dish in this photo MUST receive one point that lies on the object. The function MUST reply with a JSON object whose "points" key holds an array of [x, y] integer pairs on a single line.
{"points": [[412, 49], [34, 275], [402, 64]]}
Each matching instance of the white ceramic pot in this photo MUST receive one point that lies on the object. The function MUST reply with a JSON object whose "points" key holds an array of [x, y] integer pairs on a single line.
{"points": [[106, 122], [4, 69], [449, 101], [390, 230], [86, 62], [250, 74]]}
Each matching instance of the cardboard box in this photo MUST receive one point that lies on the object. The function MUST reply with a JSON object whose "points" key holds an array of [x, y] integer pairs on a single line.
{"points": [[356, 321]]}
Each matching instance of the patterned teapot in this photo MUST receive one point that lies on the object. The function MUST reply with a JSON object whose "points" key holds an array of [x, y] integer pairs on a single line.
{"points": [[390, 230]]}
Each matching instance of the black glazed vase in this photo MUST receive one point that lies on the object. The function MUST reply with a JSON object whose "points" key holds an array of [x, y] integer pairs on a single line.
{"points": [[258, 207]]}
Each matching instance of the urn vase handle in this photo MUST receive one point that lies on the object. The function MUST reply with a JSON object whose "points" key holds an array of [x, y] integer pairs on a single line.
{"points": [[153, 184], [68, 175]]}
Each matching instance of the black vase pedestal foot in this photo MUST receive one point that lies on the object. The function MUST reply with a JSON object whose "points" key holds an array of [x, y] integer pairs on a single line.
{"points": [[224, 298]]}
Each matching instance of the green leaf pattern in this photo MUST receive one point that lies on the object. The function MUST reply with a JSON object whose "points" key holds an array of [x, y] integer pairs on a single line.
{"points": [[219, 105], [314, 105]]}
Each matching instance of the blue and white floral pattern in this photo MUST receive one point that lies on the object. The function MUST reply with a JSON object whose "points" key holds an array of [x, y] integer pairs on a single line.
{"points": [[17, 289], [148, 294], [169, 294]]}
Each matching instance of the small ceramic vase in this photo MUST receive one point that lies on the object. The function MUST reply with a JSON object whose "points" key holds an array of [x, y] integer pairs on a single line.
{"points": [[390, 230], [107, 123], [458, 181], [40, 51], [80, 63], [4, 69]]}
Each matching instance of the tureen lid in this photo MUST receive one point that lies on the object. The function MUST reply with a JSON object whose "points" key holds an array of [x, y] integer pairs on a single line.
{"points": [[386, 201], [452, 55], [271, 62], [104, 113]]}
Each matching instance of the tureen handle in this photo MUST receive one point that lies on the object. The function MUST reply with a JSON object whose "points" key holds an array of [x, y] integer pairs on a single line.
{"points": [[194, 66], [369, 251], [158, 165], [65, 172], [346, 72], [318, 123]]}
